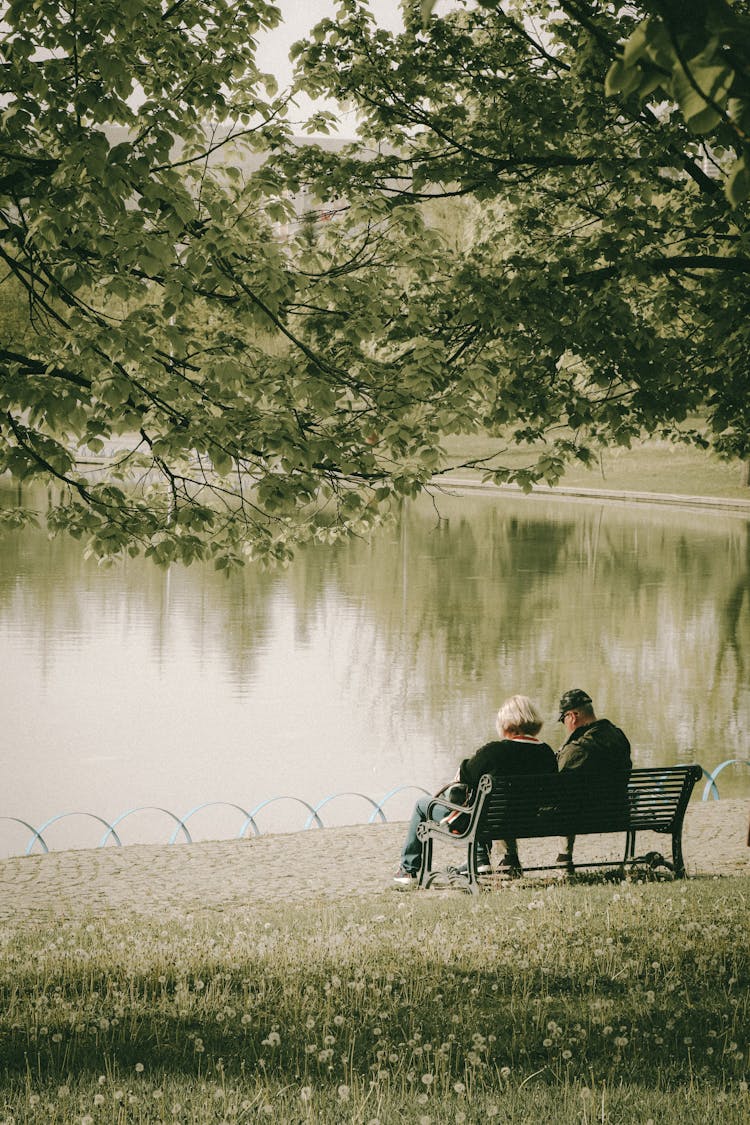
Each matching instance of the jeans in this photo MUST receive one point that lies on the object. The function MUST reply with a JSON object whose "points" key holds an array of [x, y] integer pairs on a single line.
{"points": [[411, 854]]}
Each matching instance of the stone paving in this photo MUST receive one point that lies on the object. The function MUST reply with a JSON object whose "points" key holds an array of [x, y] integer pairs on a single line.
{"points": [[317, 864]]}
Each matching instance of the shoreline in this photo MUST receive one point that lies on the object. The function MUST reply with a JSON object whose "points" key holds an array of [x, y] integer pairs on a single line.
{"points": [[563, 492], [314, 865]]}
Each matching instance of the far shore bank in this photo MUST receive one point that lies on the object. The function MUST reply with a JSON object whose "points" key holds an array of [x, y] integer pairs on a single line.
{"points": [[571, 492]]}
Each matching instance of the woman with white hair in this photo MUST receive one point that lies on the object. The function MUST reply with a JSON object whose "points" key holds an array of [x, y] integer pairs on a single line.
{"points": [[518, 751]]}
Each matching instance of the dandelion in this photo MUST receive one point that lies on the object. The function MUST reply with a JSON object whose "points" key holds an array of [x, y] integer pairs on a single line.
{"points": [[273, 1039], [139, 1068], [306, 1093], [338, 1020], [98, 1099], [87, 1120], [459, 1087], [567, 1055], [63, 1091], [428, 1079], [343, 1093]]}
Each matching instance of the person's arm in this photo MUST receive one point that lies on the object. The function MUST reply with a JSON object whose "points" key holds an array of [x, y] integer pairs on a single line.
{"points": [[573, 755]]}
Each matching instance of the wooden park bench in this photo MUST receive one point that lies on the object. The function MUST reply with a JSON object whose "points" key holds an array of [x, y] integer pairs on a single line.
{"points": [[565, 804]]}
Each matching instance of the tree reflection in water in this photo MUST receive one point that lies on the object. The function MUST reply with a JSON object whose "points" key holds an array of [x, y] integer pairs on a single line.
{"points": [[369, 665]]}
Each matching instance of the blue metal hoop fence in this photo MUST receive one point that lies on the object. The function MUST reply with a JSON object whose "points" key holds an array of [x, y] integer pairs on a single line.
{"points": [[314, 819], [180, 822]]}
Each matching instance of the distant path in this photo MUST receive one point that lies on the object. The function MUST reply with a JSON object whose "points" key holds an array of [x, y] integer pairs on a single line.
{"points": [[317, 864], [563, 492]]}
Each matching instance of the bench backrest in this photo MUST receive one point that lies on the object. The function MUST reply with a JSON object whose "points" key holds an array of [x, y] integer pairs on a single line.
{"points": [[566, 803]]}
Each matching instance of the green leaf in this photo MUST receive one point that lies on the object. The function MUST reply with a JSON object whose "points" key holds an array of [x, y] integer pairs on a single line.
{"points": [[738, 184], [712, 82], [426, 8]]}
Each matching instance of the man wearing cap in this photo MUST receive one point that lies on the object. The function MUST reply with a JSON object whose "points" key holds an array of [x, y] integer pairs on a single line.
{"points": [[594, 747]]}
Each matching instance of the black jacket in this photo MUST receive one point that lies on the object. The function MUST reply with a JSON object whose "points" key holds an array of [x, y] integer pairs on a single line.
{"points": [[599, 749], [508, 756]]}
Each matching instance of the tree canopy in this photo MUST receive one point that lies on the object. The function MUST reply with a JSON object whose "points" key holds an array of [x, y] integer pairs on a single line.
{"points": [[262, 342], [246, 386], [606, 286]]}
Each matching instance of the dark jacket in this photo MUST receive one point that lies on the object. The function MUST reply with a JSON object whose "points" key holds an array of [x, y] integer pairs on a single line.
{"points": [[508, 756], [599, 749]]}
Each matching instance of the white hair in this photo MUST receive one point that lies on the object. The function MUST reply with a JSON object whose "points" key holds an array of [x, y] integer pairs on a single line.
{"points": [[519, 715]]}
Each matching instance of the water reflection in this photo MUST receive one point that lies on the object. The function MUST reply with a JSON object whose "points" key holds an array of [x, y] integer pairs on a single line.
{"points": [[367, 665]]}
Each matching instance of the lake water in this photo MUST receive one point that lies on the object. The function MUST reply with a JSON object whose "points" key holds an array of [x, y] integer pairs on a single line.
{"points": [[364, 667]]}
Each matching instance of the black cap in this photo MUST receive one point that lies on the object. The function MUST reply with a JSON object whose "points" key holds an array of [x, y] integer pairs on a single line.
{"points": [[572, 700]]}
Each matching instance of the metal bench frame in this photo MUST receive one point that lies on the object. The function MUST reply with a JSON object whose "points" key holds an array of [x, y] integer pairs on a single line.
{"points": [[566, 804]]}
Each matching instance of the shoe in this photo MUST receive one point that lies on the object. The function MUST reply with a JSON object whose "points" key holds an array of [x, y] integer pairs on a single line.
{"points": [[565, 857], [482, 869], [405, 878], [510, 865]]}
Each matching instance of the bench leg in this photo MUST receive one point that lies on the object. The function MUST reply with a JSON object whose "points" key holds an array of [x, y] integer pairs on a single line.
{"points": [[471, 863], [629, 846], [425, 866], [678, 862]]}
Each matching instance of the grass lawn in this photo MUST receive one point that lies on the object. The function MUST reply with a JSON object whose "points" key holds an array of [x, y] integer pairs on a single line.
{"points": [[619, 1002], [651, 465]]}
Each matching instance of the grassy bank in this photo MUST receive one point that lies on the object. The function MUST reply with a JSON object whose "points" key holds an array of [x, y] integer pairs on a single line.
{"points": [[648, 466], [621, 1002]]}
